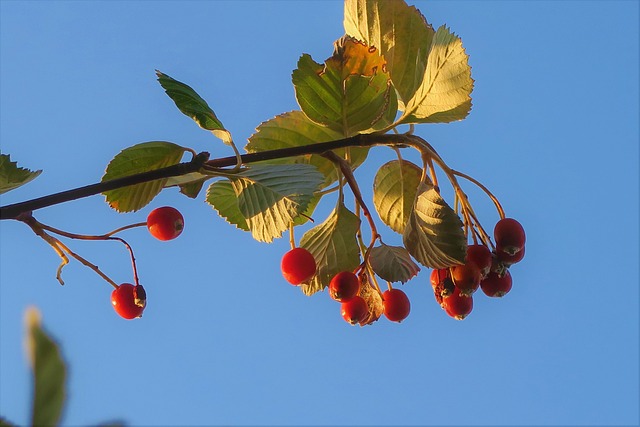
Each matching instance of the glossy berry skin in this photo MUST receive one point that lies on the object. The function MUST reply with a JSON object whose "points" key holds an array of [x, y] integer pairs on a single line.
{"points": [[128, 300], [509, 235], [165, 223], [481, 256], [457, 305], [508, 259], [495, 285], [298, 266], [355, 310], [344, 286], [466, 278], [396, 305]]}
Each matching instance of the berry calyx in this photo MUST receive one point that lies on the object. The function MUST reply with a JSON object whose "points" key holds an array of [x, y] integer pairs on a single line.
{"points": [[165, 223], [344, 286], [509, 235], [355, 310], [298, 266], [457, 305], [495, 285], [128, 300], [481, 256], [396, 305], [466, 278], [508, 259]]}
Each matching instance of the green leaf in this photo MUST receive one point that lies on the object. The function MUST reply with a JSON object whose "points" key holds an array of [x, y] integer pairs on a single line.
{"points": [[399, 31], [270, 197], [393, 263], [12, 176], [143, 157], [350, 93], [334, 246], [394, 191], [445, 93], [49, 372], [192, 105], [222, 197], [433, 234], [295, 129]]}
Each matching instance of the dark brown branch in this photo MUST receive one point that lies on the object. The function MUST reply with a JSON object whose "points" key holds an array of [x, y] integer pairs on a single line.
{"points": [[14, 210]]}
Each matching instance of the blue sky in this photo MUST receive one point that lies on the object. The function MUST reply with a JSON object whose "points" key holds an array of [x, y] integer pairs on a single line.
{"points": [[224, 340]]}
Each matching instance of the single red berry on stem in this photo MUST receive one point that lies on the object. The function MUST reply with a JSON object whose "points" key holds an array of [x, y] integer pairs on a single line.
{"points": [[344, 286], [509, 235], [355, 310], [298, 266], [165, 223], [128, 300], [466, 278], [396, 305], [457, 305], [481, 256], [495, 285]]}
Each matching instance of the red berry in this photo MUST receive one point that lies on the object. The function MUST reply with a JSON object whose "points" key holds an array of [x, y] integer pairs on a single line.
{"points": [[396, 305], [298, 266], [344, 286], [165, 223], [441, 284], [466, 278], [509, 235], [495, 285], [508, 259], [355, 310], [128, 300], [438, 276], [481, 256], [457, 305]]}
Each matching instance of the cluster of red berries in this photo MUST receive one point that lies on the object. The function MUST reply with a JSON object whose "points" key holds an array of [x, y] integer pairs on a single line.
{"points": [[485, 269], [298, 266], [165, 223]]}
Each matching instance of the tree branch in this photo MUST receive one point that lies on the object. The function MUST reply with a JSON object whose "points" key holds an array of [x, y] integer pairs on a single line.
{"points": [[366, 140]]}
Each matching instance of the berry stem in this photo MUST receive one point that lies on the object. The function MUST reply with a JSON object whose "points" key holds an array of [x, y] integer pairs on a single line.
{"points": [[493, 198]]}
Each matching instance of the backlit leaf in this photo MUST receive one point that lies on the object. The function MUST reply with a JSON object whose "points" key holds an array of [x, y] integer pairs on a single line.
{"points": [[222, 197], [12, 176], [433, 234], [401, 34], [143, 157], [393, 263], [270, 197], [334, 246], [350, 93], [294, 129], [192, 105], [49, 372], [394, 191], [445, 93]]}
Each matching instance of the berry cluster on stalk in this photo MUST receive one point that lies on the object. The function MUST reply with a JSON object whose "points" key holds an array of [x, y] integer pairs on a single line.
{"points": [[484, 269]]}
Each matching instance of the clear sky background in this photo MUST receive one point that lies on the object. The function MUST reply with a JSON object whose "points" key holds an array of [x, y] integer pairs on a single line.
{"points": [[225, 340]]}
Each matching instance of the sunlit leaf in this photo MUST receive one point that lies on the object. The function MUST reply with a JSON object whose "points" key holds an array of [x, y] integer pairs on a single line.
{"points": [[143, 157], [294, 129], [222, 197], [401, 34], [12, 176], [49, 372], [394, 191], [445, 93], [270, 197], [334, 246], [433, 234], [192, 105], [393, 263], [350, 93]]}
